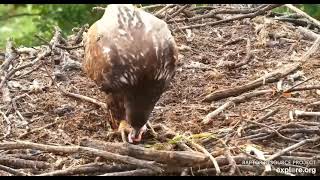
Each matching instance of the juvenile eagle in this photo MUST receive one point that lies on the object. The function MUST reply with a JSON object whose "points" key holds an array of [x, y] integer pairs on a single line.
{"points": [[132, 56]]}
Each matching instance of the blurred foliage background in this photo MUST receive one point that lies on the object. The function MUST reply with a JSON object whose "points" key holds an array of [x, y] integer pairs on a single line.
{"points": [[23, 21]]}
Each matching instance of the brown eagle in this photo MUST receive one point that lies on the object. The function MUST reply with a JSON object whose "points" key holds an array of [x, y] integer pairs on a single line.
{"points": [[132, 56]]}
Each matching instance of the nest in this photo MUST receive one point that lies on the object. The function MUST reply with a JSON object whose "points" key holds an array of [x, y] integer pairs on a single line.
{"points": [[244, 101]]}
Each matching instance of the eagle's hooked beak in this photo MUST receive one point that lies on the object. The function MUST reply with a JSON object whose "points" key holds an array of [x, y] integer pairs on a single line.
{"points": [[135, 136]]}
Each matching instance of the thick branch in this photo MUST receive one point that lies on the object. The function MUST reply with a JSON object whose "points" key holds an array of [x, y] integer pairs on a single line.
{"points": [[181, 158], [80, 149], [22, 163]]}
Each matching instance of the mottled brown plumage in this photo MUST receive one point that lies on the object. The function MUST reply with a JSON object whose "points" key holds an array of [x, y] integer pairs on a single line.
{"points": [[132, 56]]}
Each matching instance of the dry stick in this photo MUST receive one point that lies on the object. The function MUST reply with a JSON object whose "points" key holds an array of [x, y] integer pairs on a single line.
{"points": [[38, 129], [316, 22], [297, 22], [10, 55], [88, 169], [153, 132], [69, 47], [30, 71], [80, 149], [7, 120], [298, 84], [213, 160], [315, 130], [178, 11], [308, 87], [85, 98], [295, 146], [177, 158], [251, 15], [307, 33], [268, 106], [52, 44], [158, 13], [269, 114], [266, 116], [247, 57], [12, 171], [78, 96], [137, 172], [22, 67], [228, 155], [314, 104], [268, 78], [233, 100], [233, 41], [272, 129], [22, 163], [299, 113], [79, 35], [215, 12]]}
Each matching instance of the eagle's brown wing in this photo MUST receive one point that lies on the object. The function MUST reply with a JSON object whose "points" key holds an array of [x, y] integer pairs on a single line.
{"points": [[95, 65]]}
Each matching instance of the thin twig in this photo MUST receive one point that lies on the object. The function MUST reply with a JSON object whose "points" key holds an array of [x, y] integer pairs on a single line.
{"points": [[232, 101], [275, 131], [39, 129], [292, 147], [270, 105], [298, 84]]}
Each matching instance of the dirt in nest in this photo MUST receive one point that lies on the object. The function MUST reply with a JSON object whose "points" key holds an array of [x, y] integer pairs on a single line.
{"points": [[202, 69]]}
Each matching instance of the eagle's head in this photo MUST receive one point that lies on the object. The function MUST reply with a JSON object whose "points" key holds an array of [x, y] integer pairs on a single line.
{"points": [[139, 103]]}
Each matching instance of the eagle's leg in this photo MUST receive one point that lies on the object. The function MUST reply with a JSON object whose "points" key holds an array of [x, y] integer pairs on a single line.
{"points": [[124, 128], [153, 132]]}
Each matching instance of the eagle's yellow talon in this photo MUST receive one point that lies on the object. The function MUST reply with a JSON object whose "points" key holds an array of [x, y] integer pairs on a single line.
{"points": [[124, 126]]}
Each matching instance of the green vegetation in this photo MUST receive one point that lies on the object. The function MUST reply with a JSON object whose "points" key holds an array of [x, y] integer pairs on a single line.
{"points": [[311, 9], [23, 21]]}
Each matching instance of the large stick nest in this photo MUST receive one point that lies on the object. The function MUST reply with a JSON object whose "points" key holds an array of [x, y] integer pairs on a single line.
{"points": [[246, 92]]}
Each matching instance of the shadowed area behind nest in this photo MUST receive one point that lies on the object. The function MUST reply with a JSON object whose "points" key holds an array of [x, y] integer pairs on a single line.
{"points": [[132, 56]]}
